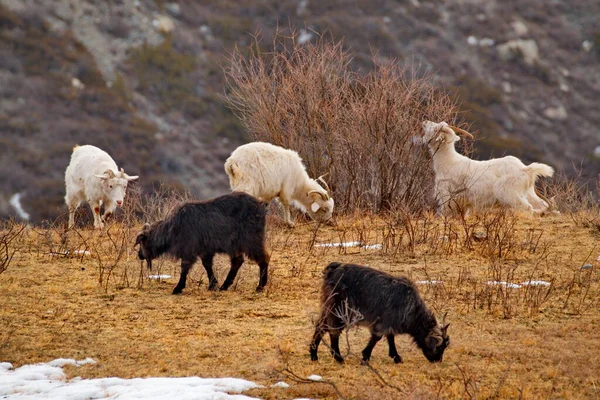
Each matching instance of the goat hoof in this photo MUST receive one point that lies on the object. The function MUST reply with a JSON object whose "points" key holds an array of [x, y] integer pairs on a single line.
{"points": [[222, 288], [260, 289], [339, 359], [314, 357], [214, 287], [397, 359], [177, 290]]}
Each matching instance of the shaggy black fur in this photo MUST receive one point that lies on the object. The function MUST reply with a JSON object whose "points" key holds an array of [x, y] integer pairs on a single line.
{"points": [[232, 224], [387, 305]]}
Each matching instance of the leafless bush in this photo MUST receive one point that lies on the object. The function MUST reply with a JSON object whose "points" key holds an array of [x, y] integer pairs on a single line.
{"points": [[8, 234], [358, 128], [141, 208]]}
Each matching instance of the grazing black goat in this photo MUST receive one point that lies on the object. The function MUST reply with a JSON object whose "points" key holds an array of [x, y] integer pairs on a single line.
{"points": [[232, 224], [387, 305]]}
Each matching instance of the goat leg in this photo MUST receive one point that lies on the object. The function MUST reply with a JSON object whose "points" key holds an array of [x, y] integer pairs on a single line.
{"points": [[185, 269], [335, 346], [393, 352], [366, 353], [236, 263]]}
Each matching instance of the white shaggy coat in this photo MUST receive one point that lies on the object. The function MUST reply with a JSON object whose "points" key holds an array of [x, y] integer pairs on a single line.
{"points": [[266, 171], [93, 177], [464, 183]]}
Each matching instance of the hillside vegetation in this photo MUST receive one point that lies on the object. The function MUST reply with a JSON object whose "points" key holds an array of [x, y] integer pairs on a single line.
{"points": [[524, 76]]}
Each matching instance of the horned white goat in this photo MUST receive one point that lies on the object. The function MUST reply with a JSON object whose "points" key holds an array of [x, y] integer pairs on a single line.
{"points": [[93, 177], [480, 184], [266, 171]]}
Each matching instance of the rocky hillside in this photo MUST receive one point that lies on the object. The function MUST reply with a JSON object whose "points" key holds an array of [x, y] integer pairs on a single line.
{"points": [[143, 80]]}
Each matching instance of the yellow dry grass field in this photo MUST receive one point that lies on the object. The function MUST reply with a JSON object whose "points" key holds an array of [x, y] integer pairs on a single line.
{"points": [[528, 342]]}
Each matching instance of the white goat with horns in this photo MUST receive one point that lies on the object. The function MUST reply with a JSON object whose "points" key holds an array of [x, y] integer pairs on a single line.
{"points": [[93, 176], [266, 171], [479, 184]]}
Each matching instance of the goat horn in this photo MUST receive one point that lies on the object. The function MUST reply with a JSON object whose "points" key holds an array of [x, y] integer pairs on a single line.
{"points": [[324, 196], [461, 131], [324, 183]]}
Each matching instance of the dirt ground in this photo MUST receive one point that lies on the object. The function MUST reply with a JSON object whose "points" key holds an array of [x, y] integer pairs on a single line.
{"points": [[528, 342]]}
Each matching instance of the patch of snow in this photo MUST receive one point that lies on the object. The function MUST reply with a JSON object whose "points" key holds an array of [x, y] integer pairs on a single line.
{"points": [[519, 27], [344, 244], [61, 362], [535, 283], [505, 284], [77, 84], [486, 42], [164, 24], [352, 244], [280, 385], [557, 113], [304, 36], [302, 8], [315, 378], [5, 365], [429, 282], [159, 276], [587, 45], [48, 381], [82, 252], [15, 201]]}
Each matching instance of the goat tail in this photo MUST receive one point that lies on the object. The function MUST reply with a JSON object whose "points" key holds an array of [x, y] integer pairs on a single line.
{"points": [[330, 268], [538, 169]]}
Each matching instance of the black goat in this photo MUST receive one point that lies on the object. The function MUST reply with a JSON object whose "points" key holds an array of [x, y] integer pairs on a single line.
{"points": [[233, 224], [386, 304]]}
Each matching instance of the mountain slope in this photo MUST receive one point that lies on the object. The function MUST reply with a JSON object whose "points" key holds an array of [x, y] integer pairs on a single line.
{"points": [[525, 72]]}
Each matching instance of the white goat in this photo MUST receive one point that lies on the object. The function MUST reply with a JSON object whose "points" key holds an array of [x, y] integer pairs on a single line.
{"points": [[92, 176], [480, 184], [267, 171]]}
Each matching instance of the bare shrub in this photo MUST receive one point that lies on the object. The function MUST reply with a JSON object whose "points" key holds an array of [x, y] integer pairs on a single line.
{"points": [[8, 234], [357, 128]]}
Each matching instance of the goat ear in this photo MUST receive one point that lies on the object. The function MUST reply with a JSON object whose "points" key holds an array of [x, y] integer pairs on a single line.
{"points": [[315, 207], [140, 238], [103, 177], [450, 132]]}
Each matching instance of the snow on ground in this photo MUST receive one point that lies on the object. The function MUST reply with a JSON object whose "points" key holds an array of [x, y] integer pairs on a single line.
{"points": [[48, 381], [351, 244]]}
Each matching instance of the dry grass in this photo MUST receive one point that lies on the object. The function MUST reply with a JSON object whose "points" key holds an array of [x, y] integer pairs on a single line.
{"points": [[527, 343]]}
